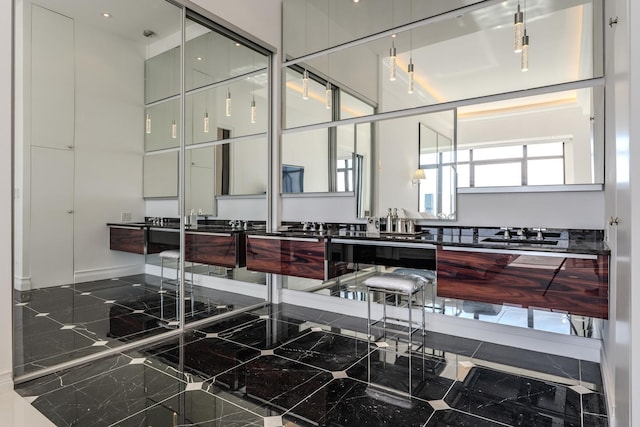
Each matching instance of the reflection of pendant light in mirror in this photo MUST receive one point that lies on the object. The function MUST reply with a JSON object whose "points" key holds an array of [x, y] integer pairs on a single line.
{"points": [[227, 101], [518, 24], [147, 120], [174, 129], [418, 176], [524, 60], [206, 122], [227, 104], [305, 84], [254, 111], [328, 97], [392, 61], [410, 66], [524, 64]]}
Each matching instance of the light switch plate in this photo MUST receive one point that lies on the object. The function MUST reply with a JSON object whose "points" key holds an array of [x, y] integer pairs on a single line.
{"points": [[125, 216]]}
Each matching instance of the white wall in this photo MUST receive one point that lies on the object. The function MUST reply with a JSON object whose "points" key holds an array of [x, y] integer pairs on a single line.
{"points": [[109, 145], [6, 192], [108, 148]]}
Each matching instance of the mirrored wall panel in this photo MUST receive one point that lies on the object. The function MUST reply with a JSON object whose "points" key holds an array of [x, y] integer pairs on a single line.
{"points": [[117, 106], [397, 70]]}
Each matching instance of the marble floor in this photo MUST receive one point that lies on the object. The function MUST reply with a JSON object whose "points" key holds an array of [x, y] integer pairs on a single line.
{"points": [[58, 324], [286, 365]]}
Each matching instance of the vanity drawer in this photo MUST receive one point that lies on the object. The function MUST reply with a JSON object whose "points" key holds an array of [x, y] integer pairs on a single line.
{"points": [[287, 256], [577, 284], [127, 239], [226, 250]]}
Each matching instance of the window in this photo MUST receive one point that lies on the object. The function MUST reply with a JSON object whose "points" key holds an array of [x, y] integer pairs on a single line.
{"points": [[510, 165]]}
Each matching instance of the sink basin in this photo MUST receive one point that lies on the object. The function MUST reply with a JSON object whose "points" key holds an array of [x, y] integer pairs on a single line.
{"points": [[519, 241]]}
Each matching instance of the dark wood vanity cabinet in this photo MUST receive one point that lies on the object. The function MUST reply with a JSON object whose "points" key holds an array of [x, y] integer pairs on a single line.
{"points": [[288, 256], [577, 284], [127, 239], [222, 249]]}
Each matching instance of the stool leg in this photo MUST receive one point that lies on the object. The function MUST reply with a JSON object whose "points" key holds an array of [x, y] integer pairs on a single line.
{"points": [[161, 272], [369, 313], [424, 323], [409, 342]]}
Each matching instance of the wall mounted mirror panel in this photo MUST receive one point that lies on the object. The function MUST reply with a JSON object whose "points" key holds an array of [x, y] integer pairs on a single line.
{"points": [[567, 48], [306, 29], [211, 58], [80, 119], [99, 138], [553, 139], [162, 125], [225, 111], [162, 74]]}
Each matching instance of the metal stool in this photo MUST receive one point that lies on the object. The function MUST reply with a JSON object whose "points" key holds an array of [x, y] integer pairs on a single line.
{"points": [[398, 286], [172, 254]]}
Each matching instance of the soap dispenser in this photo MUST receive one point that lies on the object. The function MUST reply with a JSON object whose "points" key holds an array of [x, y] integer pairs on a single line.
{"points": [[390, 221], [193, 219]]}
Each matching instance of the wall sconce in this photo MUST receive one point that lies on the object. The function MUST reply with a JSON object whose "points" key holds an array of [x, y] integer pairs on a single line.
{"points": [[418, 176]]}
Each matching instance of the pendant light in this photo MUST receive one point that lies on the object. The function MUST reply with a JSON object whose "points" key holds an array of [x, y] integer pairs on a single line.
{"points": [[205, 122], [254, 111], [410, 66], [205, 117], [305, 84], [392, 51], [147, 119], [328, 97], [227, 104], [174, 129], [524, 59], [518, 24], [227, 101], [392, 60]]}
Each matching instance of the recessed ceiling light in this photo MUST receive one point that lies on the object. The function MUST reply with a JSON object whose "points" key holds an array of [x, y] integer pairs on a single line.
{"points": [[106, 15], [199, 58], [237, 44]]}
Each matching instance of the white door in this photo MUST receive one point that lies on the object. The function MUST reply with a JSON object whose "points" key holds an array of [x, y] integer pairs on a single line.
{"points": [[51, 217]]}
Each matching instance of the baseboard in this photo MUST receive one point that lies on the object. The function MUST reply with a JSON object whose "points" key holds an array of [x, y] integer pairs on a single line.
{"points": [[212, 282], [608, 384], [546, 342], [108, 273], [6, 382], [22, 283]]}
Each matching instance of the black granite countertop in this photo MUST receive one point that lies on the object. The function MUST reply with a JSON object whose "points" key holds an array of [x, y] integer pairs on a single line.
{"points": [[554, 240]]}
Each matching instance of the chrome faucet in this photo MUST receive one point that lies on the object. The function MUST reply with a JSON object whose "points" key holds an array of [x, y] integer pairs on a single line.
{"points": [[539, 235], [507, 233]]}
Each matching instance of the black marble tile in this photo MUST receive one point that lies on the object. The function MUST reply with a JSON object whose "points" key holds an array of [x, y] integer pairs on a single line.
{"points": [[228, 323], [590, 373], [108, 398], [27, 322], [100, 284], [453, 418], [204, 358], [41, 346], [52, 382], [590, 420], [263, 334], [515, 400], [532, 360], [391, 369], [194, 408], [594, 403], [279, 383], [325, 350], [346, 402]]}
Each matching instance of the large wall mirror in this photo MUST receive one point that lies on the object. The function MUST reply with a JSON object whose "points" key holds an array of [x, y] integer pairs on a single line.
{"points": [[110, 99], [388, 63]]}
